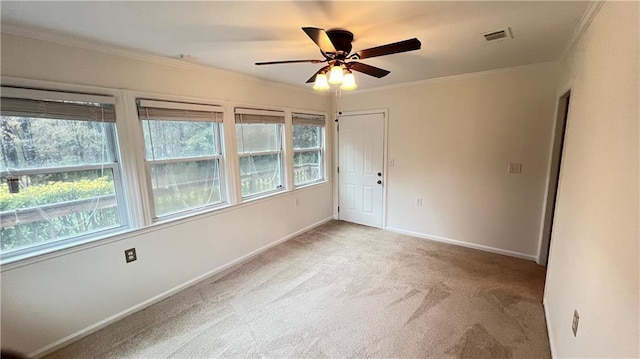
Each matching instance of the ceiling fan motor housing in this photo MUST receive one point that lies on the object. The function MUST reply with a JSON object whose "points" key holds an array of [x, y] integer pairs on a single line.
{"points": [[341, 40]]}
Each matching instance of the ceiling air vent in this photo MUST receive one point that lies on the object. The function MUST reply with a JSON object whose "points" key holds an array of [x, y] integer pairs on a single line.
{"points": [[497, 35]]}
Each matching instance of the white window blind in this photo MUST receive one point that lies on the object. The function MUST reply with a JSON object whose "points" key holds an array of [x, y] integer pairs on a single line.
{"points": [[248, 116], [60, 110], [308, 119], [178, 111]]}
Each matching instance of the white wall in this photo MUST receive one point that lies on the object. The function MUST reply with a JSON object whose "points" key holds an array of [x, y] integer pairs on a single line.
{"points": [[46, 302], [594, 260], [452, 139]]}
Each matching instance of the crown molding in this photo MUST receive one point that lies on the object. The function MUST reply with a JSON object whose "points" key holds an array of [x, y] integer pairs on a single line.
{"points": [[36, 33], [453, 77], [588, 16]]}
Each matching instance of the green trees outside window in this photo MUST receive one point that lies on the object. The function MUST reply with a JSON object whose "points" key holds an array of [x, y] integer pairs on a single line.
{"points": [[260, 151], [65, 173], [307, 156], [183, 160], [62, 152]]}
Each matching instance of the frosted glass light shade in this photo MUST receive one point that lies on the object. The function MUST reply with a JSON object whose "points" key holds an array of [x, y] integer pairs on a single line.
{"points": [[349, 82], [321, 82], [335, 76]]}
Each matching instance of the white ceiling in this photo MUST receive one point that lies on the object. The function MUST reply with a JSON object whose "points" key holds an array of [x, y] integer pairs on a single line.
{"points": [[232, 35]]}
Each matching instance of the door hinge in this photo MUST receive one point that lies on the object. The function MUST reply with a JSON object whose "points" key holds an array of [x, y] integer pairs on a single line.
{"points": [[338, 169], [338, 209]]}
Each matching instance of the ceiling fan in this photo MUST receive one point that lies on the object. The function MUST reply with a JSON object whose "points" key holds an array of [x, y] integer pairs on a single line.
{"points": [[335, 46]]}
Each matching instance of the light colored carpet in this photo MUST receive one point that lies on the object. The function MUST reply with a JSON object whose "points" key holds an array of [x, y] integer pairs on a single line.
{"points": [[343, 290]]}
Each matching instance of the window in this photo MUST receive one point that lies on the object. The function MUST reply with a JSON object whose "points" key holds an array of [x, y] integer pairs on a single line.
{"points": [[61, 180], [183, 155], [59, 169], [259, 136], [308, 148]]}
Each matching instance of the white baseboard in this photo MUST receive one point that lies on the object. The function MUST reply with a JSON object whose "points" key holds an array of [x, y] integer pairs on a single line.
{"points": [[552, 347], [464, 244], [114, 318]]}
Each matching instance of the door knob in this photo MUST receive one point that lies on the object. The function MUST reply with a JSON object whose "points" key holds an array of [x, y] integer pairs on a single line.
{"points": [[379, 182]]}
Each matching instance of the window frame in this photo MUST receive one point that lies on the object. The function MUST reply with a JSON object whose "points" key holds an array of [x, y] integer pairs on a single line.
{"points": [[112, 138], [129, 146], [281, 141], [322, 149], [220, 157]]}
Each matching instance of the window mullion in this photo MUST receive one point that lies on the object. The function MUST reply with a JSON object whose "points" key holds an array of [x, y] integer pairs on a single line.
{"points": [[287, 158], [132, 151]]}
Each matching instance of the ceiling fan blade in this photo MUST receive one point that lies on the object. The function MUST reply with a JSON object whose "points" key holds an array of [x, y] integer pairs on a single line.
{"points": [[396, 47], [289, 62], [320, 37], [313, 78], [367, 69]]}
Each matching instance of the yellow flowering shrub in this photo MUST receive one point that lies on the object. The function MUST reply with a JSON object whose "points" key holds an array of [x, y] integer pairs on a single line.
{"points": [[53, 192]]}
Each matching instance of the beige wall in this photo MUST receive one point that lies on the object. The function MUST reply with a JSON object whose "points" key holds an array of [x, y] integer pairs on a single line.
{"points": [[42, 60], [594, 259], [451, 140], [48, 302]]}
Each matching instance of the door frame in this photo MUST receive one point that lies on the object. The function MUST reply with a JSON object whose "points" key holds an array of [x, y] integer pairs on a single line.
{"points": [[336, 159], [558, 138]]}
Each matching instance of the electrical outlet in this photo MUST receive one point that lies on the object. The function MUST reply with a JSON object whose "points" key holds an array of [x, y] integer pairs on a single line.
{"points": [[515, 167], [574, 325], [130, 255], [418, 201]]}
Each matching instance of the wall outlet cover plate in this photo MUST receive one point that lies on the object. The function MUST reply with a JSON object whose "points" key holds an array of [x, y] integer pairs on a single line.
{"points": [[130, 255]]}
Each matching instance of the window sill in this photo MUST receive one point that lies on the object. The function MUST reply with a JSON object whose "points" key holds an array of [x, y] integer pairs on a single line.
{"points": [[38, 255], [310, 184], [121, 234], [189, 213], [262, 195]]}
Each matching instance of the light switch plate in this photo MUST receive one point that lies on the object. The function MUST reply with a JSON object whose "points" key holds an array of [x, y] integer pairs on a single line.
{"points": [[515, 167]]}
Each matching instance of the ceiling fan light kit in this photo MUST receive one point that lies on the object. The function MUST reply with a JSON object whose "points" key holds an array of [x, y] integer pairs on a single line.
{"points": [[335, 76], [321, 82], [335, 46], [349, 82]]}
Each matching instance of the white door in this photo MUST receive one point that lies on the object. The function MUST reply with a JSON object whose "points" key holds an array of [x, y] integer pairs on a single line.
{"points": [[361, 160]]}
